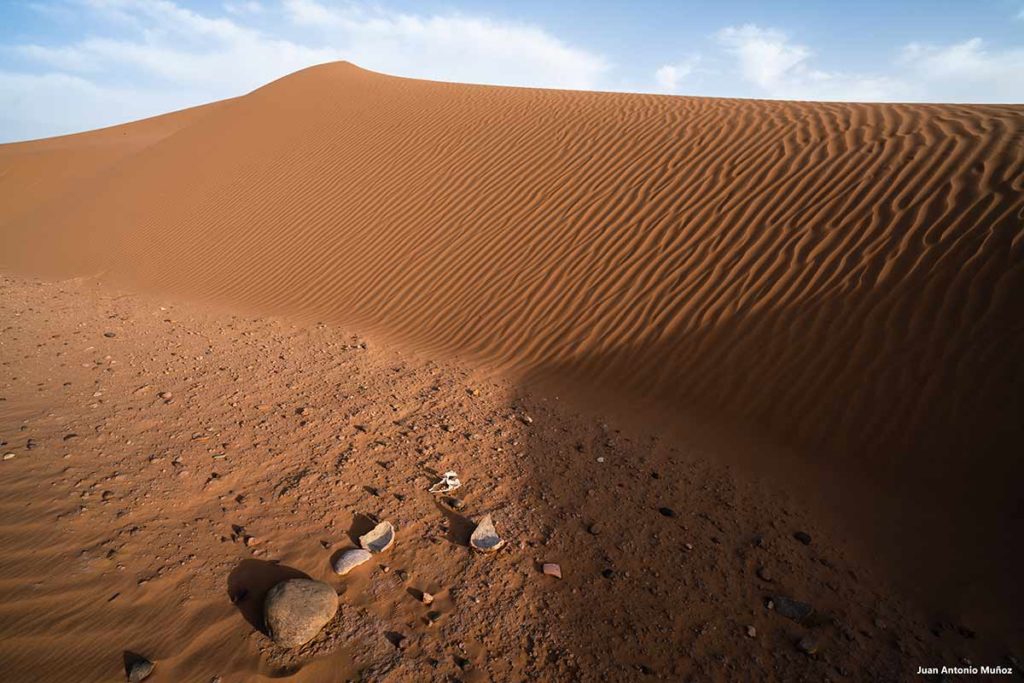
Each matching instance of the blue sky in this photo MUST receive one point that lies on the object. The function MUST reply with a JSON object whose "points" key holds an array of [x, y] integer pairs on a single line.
{"points": [[71, 65]]}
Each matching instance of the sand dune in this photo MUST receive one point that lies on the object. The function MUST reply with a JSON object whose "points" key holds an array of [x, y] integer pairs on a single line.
{"points": [[843, 278], [796, 264]]}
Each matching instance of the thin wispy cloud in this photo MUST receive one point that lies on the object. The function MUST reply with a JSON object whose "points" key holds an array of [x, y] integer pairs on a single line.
{"points": [[768, 63], [451, 47]]}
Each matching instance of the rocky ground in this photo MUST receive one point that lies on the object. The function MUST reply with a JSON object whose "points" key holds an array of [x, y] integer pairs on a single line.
{"points": [[165, 465]]}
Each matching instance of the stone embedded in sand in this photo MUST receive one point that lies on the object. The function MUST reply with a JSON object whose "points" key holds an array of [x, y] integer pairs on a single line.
{"points": [[791, 609], [552, 569], [10, 456], [379, 538], [485, 538], [139, 670], [426, 598], [807, 645], [295, 610], [803, 537], [109, 335], [350, 559], [165, 395]]}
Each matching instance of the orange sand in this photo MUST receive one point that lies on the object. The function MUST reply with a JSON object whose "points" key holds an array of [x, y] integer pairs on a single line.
{"points": [[841, 281]]}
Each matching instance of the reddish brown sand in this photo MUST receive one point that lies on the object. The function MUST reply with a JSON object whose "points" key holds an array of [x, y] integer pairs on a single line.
{"points": [[798, 316]]}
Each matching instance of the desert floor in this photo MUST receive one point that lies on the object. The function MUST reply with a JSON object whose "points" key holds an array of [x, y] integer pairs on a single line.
{"points": [[171, 462]]}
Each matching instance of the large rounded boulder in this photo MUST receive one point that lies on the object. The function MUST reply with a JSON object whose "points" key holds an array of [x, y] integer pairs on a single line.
{"points": [[295, 610]]}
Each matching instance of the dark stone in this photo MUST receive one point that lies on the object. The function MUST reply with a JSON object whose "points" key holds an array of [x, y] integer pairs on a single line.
{"points": [[792, 609], [803, 537]]}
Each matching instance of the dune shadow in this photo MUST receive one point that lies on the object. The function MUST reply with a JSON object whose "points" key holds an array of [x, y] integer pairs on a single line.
{"points": [[901, 464], [249, 583]]}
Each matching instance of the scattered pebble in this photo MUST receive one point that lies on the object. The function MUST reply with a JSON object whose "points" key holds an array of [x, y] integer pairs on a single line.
{"points": [[379, 538], [552, 569], [426, 598], [807, 645], [764, 574], [485, 537], [109, 335], [139, 670], [751, 632], [667, 512], [803, 537], [789, 608], [10, 456]]}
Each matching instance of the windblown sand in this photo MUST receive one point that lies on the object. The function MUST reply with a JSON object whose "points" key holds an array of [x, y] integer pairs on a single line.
{"points": [[764, 317]]}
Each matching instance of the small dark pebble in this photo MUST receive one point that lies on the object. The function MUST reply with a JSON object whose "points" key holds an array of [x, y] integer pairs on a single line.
{"points": [[668, 512], [109, 335], [807, 645], [803, 537], [608, 573], [791, 609]]}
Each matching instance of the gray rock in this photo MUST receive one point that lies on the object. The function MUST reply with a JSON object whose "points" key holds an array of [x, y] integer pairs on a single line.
{"points": [[139, 670], [295, 610], [350, 559], [792, 609]]}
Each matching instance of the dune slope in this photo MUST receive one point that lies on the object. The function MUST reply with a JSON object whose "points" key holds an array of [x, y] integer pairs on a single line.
{"points": [[846, 278]]}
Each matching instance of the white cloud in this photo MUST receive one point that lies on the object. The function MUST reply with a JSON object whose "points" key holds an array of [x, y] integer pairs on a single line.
{"points": [[966, 71], [752, 61], [766, 57], [670, 77], [776, 67], [452, 47]]}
